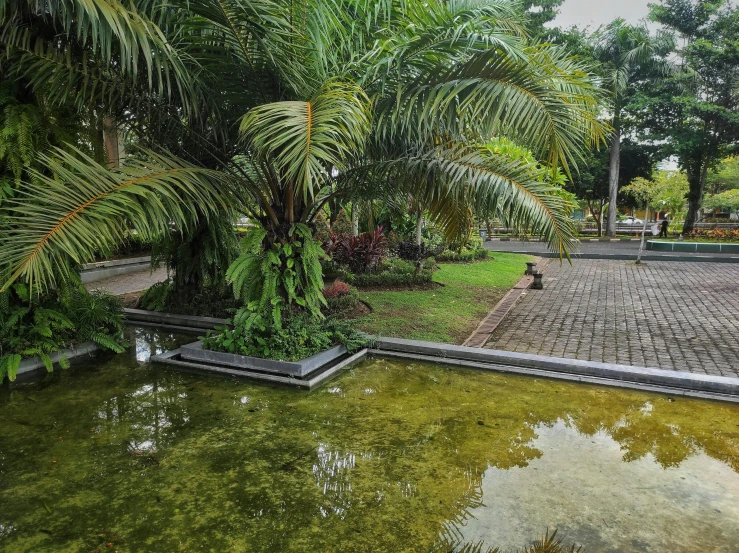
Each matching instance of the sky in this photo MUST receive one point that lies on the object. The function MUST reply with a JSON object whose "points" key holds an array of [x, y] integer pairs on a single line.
{"points": [[599, 12]]}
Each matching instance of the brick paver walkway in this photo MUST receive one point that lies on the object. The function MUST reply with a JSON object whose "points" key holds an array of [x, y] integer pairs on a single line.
{"points": [[131, 282], [670, 315]]}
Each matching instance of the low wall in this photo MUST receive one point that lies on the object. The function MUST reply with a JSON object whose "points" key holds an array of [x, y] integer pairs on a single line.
{"points": [[92, 272], [697, 247]]}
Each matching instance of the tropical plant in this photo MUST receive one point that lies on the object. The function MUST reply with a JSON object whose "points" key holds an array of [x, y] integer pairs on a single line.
{"points": [[628, 54], [38, 326], [325, 108], [298, 337], [361, 253]]}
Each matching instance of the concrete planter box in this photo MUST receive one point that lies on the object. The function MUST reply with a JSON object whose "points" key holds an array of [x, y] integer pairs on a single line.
{"points": [[195, 352], [34, 364]]}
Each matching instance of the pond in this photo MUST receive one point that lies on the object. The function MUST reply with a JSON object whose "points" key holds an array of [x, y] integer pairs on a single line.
{"points": [[118, 455]]}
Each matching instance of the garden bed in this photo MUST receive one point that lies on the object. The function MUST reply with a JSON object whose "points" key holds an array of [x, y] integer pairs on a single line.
{"points": [[450, 311], [302, 368]]}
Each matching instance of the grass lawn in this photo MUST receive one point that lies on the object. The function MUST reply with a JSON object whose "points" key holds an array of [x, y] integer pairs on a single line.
{"points": [[445, 314]]}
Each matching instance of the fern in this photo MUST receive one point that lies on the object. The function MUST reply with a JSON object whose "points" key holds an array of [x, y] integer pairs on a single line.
{"points": [[40, 325], [270, 277], [9, 365]]}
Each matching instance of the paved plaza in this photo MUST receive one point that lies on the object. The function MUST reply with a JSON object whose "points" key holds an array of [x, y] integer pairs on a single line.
{"points": [[129, 282], [671, 315]]}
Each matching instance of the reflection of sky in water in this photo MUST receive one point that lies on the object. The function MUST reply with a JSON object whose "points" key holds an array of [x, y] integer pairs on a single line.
{"points": [[144, 415], [582, 486]]}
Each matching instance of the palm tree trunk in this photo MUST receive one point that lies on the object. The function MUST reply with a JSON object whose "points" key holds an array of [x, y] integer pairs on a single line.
{"points": [[355, 220], [419, 227], [613, 172], [113, 140]]}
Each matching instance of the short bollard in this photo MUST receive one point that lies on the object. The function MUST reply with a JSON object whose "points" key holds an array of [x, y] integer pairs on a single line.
{"points": [[537, 284], [530, 268]]}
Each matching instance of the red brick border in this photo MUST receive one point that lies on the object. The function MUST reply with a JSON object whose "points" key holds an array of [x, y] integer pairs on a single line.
{"points": [[488, 325]]}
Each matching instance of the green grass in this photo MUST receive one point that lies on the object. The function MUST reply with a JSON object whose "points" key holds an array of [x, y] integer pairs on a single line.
{"points": [[447, 314]]}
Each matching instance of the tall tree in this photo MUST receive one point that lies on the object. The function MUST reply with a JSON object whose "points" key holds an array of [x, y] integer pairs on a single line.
{"points": [[696, 113], [627, 54], [591, 182]]}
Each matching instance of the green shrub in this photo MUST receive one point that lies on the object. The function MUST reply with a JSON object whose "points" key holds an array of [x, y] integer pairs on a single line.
{"points": [[156, 296], [299, 336], [321, 230], [210, 301], [388, 278], [463, 256], [342, 226], [37, 326], [340, 301]]}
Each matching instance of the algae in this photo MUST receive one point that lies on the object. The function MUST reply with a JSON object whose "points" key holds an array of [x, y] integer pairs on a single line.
{"points": [[119, 455]]}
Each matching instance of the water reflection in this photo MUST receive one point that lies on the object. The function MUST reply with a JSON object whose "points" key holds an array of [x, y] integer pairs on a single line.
{"points": [[581, 486], [389, 457]]}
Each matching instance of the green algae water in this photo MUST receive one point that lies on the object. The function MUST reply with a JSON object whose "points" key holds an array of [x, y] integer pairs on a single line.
{"points": [[119, 455]]}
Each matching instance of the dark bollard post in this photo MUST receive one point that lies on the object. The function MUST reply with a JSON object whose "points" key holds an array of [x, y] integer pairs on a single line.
{"points": [[537, 284], [530, 268]]}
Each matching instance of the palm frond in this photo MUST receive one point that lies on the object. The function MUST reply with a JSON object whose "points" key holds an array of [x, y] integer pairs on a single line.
{"points": [[547, 102], [84, 208], [304, 140], [120, 45], [447, 181]]}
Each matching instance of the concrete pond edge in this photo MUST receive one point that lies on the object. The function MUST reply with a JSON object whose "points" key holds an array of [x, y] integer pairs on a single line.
{"points": [[34, 364], [607, 374]]}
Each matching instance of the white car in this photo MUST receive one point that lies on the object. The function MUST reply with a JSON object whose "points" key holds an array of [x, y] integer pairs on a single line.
{"points": [[631, 221]]}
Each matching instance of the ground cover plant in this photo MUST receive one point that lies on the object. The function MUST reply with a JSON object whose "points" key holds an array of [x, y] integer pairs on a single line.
{"points": [[298, 336], [37, 326], [447, 313]]}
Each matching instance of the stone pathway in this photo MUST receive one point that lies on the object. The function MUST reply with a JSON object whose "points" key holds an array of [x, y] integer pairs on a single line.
{"points": [[130, 282], [671, 315]]}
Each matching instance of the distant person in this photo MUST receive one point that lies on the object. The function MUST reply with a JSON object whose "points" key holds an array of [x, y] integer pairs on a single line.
{"points": [[663, 229]]}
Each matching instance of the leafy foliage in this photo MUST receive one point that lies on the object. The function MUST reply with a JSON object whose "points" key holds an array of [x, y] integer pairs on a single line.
{"points": [[33, 325], [395, 272], [299, 336], [342, 226], [361, 253], [464, 255], [56, 222], [275, 278], [695, 113], [336, 290], [278, 113], [665, 192], [729, 199]]}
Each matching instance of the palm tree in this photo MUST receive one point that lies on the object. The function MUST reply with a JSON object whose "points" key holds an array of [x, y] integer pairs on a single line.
{"points": [[627, 53], [327, 99]]}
